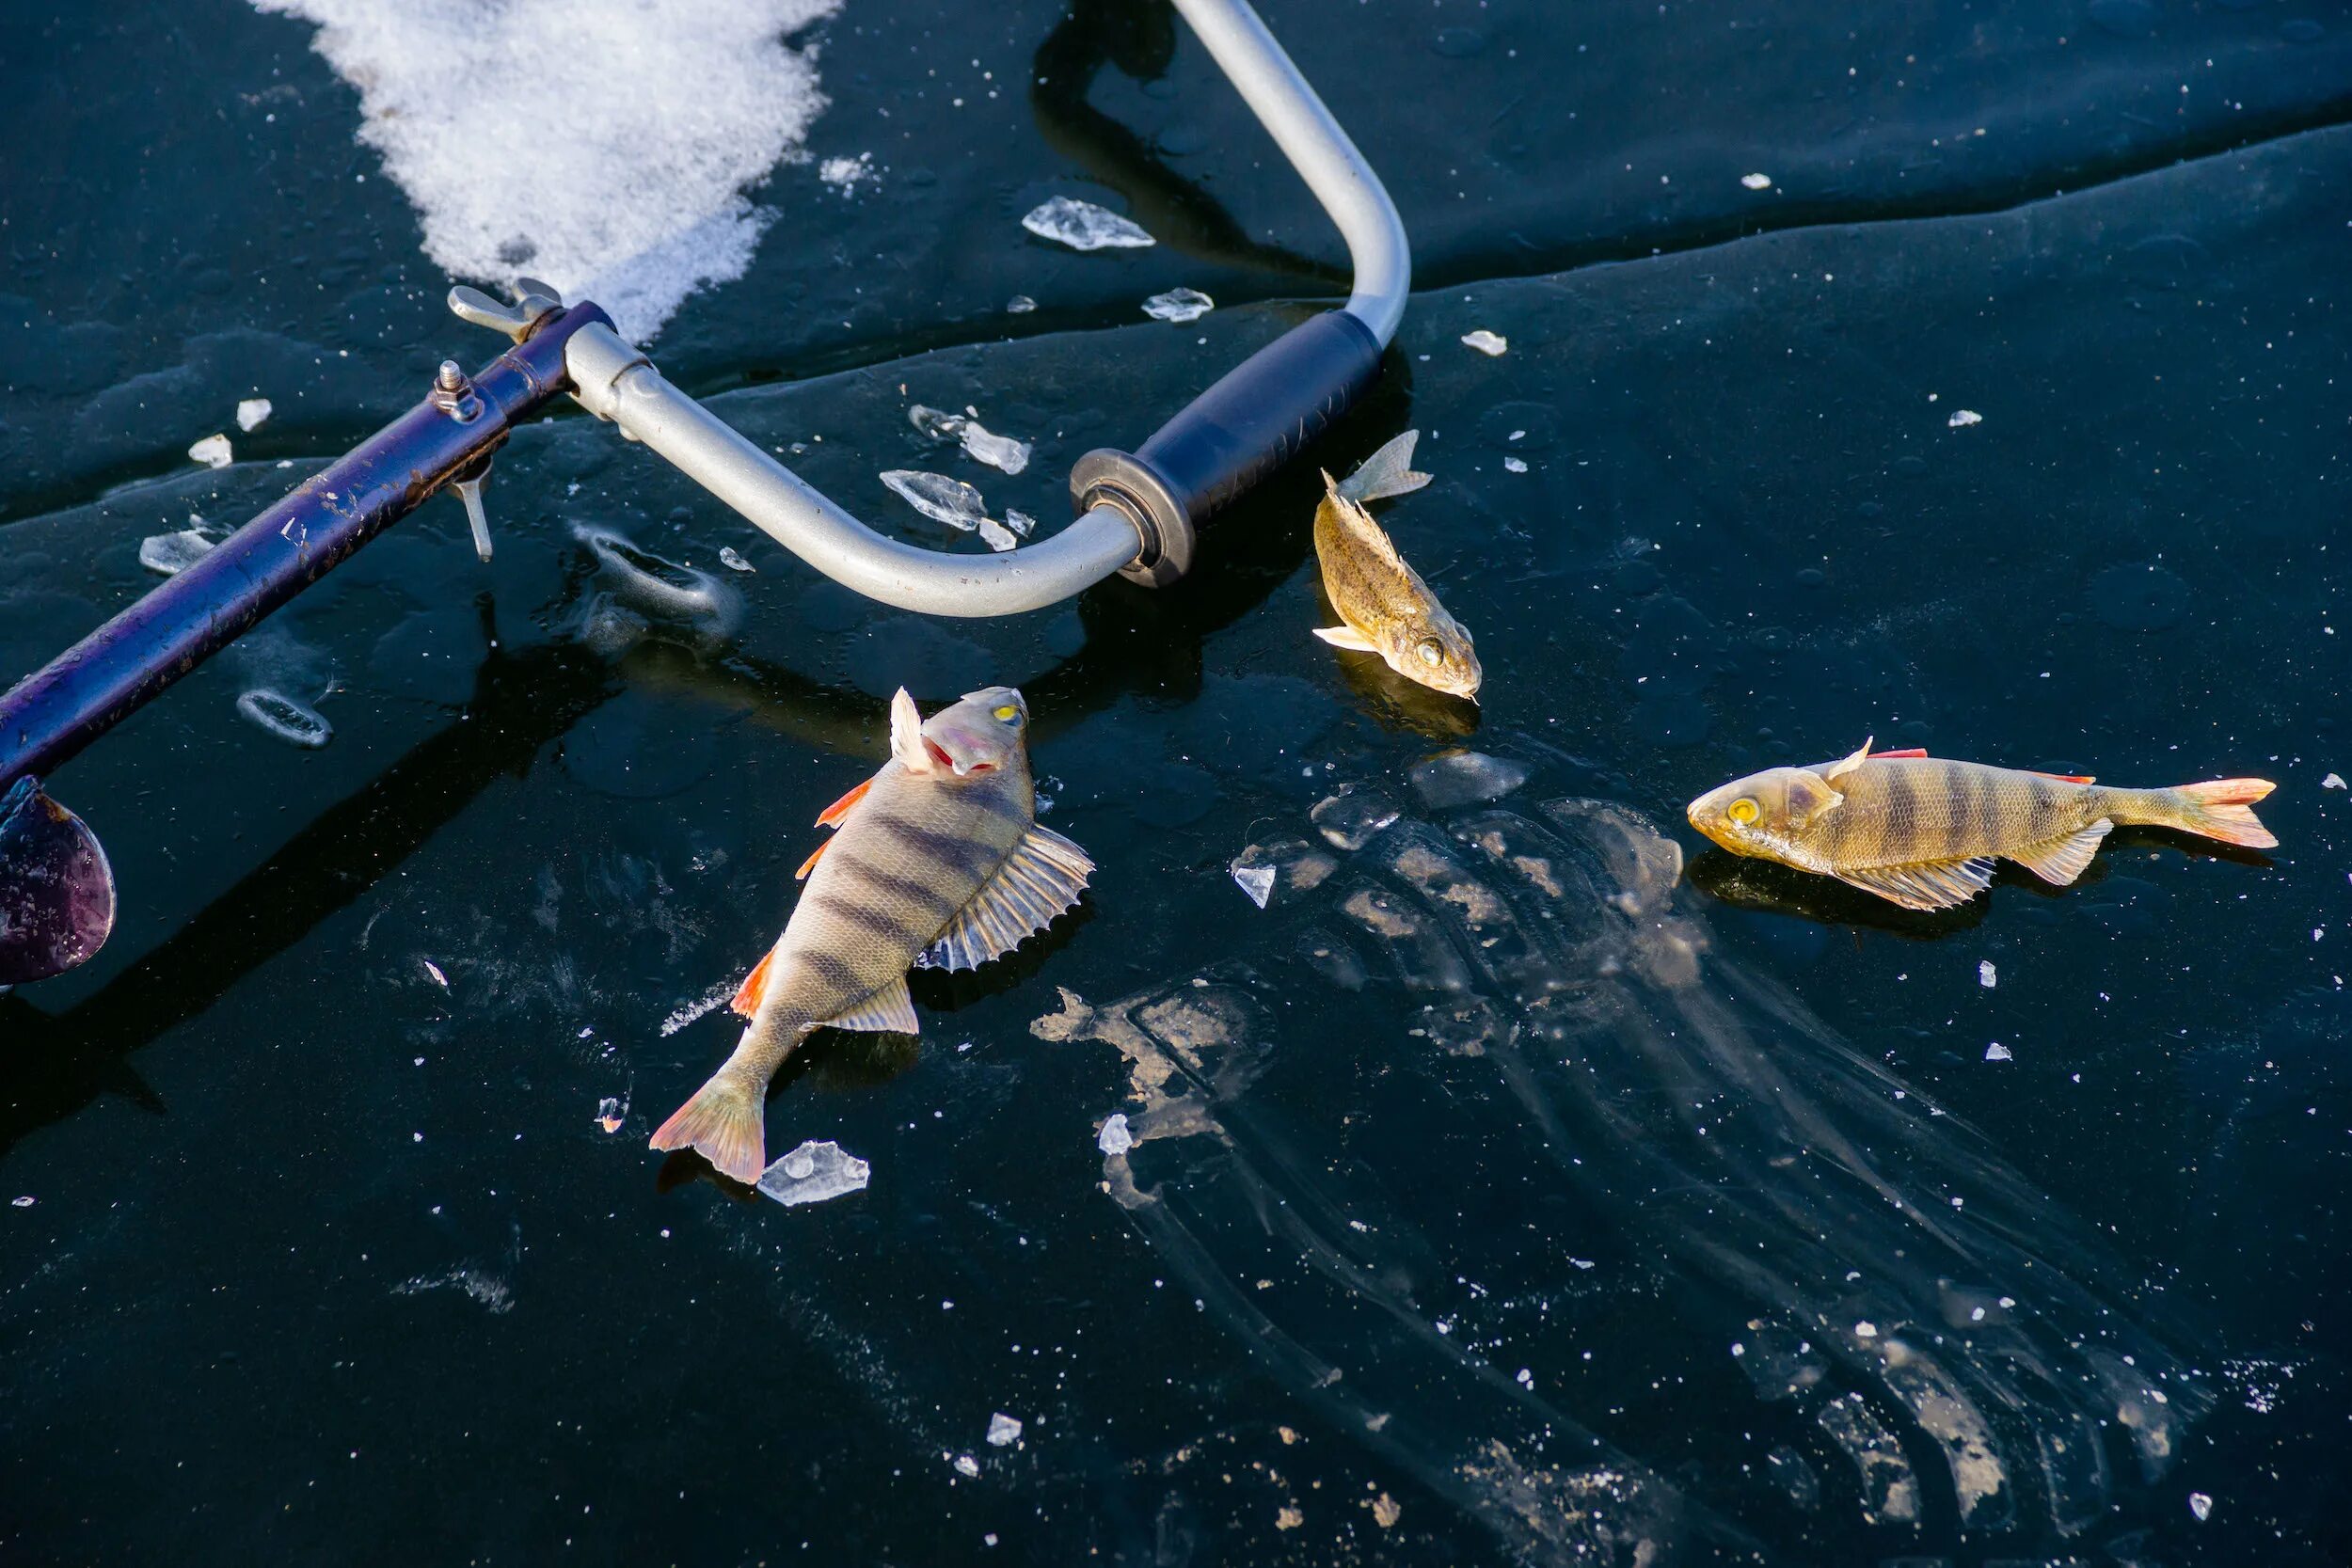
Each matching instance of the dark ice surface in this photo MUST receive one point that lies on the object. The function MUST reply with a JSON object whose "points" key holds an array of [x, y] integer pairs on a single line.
{"points": [[317, 1246]]}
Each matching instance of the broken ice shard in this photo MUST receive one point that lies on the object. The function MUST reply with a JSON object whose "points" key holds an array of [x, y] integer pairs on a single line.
{"points": [[173, 553], [1115, 1138], [1020, 304], [288, 720], [1003, 1430], [997, 451], [1255, 881], [1019, 522], [1987, 976], [997, 536], [1489, 344], [213, 451], [939, 497], [733, 561], [251, 412], [814, 1172], [1083, 226], [937, 423], [1178, 305], [1996, 1051]]}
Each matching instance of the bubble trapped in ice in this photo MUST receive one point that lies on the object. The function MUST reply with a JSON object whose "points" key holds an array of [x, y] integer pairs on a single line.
{"points": [[172, 553], [1083, 226], [814, 1172], [293, 722], [1178, 305], [939, 497]]}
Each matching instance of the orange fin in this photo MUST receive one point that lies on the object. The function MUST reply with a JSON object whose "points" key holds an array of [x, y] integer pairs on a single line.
{"points": [[833, 814], [723, 1123], [2063, 778], [2218, 810], [747, 995], [1906, 751], [810, 864]]}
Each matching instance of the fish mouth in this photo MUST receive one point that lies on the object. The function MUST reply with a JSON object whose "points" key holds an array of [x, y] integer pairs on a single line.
{"points": [[953, 763]]}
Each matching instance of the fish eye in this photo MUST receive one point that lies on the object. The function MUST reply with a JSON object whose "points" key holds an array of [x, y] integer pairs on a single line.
{"points": [[1432, 652], [1742, 811], [1009, 714]]}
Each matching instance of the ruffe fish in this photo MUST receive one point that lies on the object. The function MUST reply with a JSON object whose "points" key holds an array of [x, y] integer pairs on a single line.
{"points": [[938, 861], [1384, 606], [1924, 833]]}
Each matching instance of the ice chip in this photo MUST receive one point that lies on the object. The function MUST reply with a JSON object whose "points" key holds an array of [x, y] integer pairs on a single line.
{"points": [[997, 451], [2200, 1504], [1756, 181], [1115, 1138], [1350, 818], [846, 175], [814, 1172], [1963, 417], [251, 412], [1490, 344], [2334, 781], [1255, 881], [1515, 464], [1996, 1051], [1083, 226], [172, 553], [213, 451], [1003, 1430], [996, 536], [1022, 524], [733, 561], [939, 497], [937, 423], [288, 720], [1986, 976], [1178, 305], [1020, 304], [966, 1466]]}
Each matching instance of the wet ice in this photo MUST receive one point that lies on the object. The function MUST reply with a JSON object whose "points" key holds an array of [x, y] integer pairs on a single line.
{"points": [[1084, 226], [816, 1171], [941, 498]]}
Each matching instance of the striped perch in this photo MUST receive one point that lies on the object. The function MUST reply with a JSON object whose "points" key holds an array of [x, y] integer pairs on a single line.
{"points": [[1924, 833], [937, 861]]}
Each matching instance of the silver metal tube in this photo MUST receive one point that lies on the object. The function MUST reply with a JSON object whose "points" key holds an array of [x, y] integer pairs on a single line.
{"points": [[614, 382], [1320, 151]]}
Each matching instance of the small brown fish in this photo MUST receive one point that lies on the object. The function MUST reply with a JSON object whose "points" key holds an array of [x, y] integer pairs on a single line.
{"points": [[1384, 606], [1924, 833], [937, 861]]}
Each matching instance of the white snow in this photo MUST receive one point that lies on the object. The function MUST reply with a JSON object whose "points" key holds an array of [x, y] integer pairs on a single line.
{"points": [[846, 175], [605, 146], [1756, 181], [1084, 226]]}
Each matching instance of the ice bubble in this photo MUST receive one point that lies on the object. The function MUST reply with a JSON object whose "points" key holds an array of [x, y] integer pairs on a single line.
{"points": [[635, 205], [1003, 1430], [1963, 417], [288, 720], [1756, 181], [2201, 1505], [814, 1172], [1986, 976], [251, 412], [1115, 1138], [1083, 226], [1255, 881], [1020, 304], [939, 497], [213, 451], [1178, 305], [1489, 344], [1996, 1051], [733, 561], [173, 553]]}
